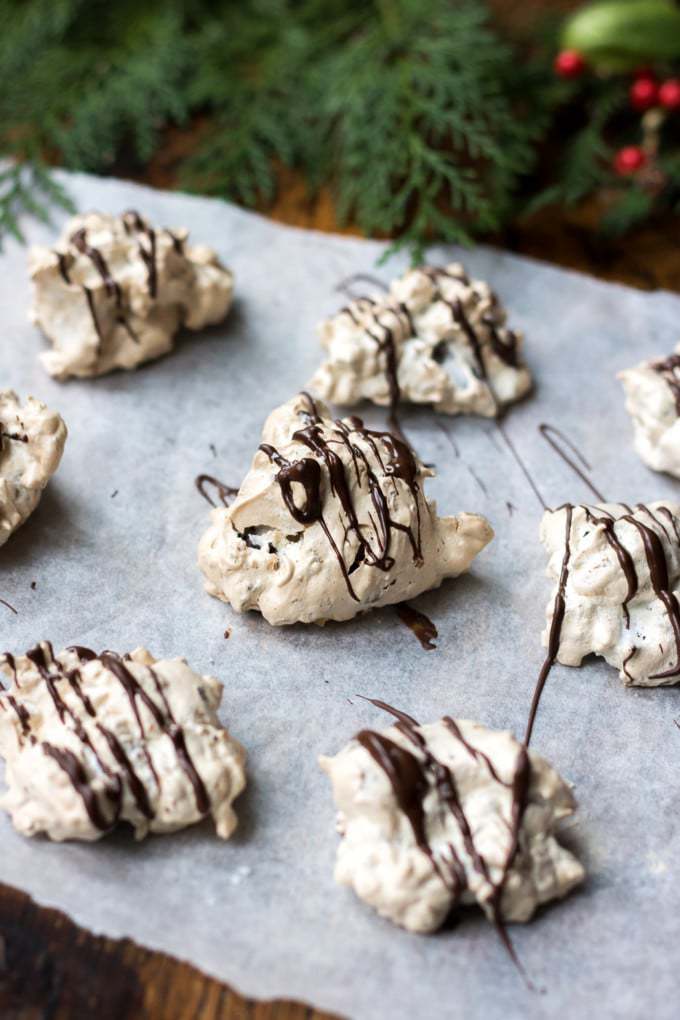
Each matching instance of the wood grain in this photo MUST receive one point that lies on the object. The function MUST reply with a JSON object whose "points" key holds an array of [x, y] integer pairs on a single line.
{"points": [[50, 969]]}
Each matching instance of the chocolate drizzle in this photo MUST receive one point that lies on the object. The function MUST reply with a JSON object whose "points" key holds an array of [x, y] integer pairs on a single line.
{"points": [[147, 247], [224, 493], [104, 816], [667, 369], [657, 567], [79, 240], [133, 222], [421, 625], [413, 775], [388, 335], [555, 626], [8, 605], [370, 452]]}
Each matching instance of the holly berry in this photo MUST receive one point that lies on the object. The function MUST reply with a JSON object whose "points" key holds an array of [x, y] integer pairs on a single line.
{"points": [[569, 64], [643, 93], [629, 159], [669, 94]]}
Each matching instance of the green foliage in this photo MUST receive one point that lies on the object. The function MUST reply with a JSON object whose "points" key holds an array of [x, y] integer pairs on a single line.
{"points": [[424, 123], [418, 116], [28, 188]]}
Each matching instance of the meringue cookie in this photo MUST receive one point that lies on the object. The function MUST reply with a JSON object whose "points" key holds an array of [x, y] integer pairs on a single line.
{"points": [[437, 338], [31, 444], [653, 402], [449, 813], [91, 741], [617, 572], [331, 520], [115, 291]]}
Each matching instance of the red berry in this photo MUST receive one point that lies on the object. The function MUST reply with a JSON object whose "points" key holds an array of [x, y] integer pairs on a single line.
{"points": [[629, 159], [643, 94], [669, 94], [569, 64]]}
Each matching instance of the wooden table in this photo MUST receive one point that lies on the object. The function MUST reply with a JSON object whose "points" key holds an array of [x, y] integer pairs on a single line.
{"points": [[50, 969]]}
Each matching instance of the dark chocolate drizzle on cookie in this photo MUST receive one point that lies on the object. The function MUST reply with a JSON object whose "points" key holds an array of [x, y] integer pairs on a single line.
{"points": [[325, 473], [104, 811], [654, 547], [653, 543], [413, 775], [388, 335], [133, 223]]}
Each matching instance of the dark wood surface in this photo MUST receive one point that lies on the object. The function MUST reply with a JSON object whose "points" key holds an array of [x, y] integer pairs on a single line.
{"points": [[50, 969]]}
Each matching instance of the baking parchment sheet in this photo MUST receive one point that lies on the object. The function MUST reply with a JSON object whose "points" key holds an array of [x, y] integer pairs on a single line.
{"points": [[112, 551]]}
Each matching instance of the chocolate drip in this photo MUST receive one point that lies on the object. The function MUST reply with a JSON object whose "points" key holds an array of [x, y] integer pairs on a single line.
{"points": [[474, 752], [133, 221], [177, 242], [407, 778], [21, 713], [506, 350], [51, 671], [9, 661], [134, 691], [555, 627], [308, 474], [412, 779], [625, 559], [658, 575], [137, 788], [113, 289], [224, 492], [75, 771], [549, 432], [63, 262], [79, 241], [17, 437], [667, 368], [459, 316], [93, 315], [387, 345], [419, 624]]}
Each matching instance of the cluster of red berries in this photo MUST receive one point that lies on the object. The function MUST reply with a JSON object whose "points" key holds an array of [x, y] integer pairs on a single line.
{"points": [[645, 93]]}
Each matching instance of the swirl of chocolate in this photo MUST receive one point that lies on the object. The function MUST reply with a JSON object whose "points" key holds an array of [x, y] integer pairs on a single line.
{"points": [[308, 473]]}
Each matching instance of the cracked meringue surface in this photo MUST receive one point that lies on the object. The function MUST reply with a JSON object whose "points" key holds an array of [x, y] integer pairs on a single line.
{"points": [[31, 444], [617, 572], [93, 740], [445, 814], [652, 391], [437, 337], [330, 521], [114, 291]]}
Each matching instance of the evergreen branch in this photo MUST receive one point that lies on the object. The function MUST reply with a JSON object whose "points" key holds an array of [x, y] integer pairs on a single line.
{"points": [[28, 188]]}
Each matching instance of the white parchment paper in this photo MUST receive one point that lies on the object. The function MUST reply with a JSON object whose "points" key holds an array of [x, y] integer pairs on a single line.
{"points": [[112, 550]]}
